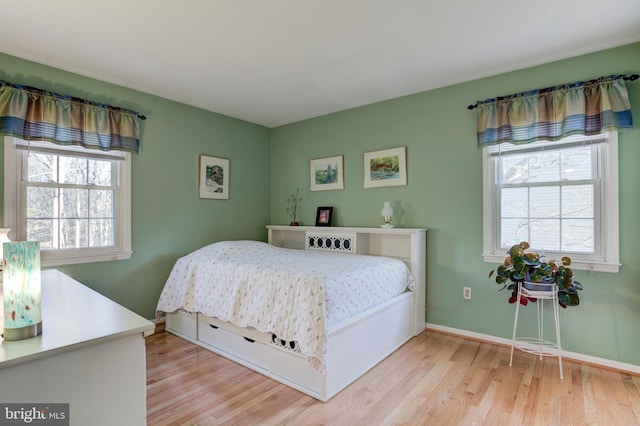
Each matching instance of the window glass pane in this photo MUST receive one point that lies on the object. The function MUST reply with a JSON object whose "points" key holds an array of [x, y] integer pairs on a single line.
{"points": [[74, 233], [42, 167], [545, 234], [513, 231], [73, 170], [101, 204], [514, 202], [74, 208], [101, 232], [544, 167], [43, 231], [576, 164], [100, 172], [75, 203], [577, 201], [545, 201], [41, 202], [578, 235], [537, 198], [515, 169]]}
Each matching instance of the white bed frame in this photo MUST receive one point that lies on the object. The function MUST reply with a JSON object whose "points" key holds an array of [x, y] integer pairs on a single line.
{"points": [[354, 347]]}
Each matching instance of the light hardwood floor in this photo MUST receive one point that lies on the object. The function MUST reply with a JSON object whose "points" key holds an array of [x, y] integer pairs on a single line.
{"points": [[434, 379]]}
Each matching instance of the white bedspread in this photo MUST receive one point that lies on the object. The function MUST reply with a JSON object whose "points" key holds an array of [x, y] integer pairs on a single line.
{"points": [[295, 294]]}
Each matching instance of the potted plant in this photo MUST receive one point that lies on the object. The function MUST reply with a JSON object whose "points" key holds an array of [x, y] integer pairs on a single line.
{"points": [[534, 272], [293, 205]]}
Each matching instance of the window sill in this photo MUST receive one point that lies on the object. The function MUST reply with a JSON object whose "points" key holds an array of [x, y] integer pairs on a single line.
{"points": [[74, 257], [581, 265]]}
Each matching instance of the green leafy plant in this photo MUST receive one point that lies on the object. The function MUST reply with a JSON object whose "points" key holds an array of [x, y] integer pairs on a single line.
{"points": [[522, 267]]}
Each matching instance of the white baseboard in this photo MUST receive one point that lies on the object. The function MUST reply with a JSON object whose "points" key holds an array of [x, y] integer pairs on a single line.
{"points": [[573, 356]]}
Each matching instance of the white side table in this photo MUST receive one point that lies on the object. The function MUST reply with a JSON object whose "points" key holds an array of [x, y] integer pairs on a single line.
{"points": [[538, 345]]}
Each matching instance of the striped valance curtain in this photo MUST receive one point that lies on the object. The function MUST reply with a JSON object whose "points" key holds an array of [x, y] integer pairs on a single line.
{"points": [[34, 114], [585, 108]]}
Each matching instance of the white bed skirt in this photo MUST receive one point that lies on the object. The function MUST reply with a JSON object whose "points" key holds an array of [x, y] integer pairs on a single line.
{"points": [[354, 347]]}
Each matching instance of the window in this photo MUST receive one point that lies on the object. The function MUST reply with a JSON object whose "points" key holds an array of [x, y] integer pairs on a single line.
{"points": [[74, 201], [561, 197]]}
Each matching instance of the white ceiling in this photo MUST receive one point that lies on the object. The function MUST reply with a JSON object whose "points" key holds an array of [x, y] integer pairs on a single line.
{"points": [[274, 62]]}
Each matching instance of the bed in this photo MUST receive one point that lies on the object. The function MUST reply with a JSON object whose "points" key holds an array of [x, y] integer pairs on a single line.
{"points": [[314, 309]]}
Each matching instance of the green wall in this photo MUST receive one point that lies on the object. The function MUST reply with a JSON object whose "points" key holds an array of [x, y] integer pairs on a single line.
{"points": [[168, 219], [444, 194]]}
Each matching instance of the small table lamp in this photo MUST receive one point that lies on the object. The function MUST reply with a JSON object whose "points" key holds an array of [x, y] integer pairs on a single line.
{"points": [[21, 290], [387, 214]]}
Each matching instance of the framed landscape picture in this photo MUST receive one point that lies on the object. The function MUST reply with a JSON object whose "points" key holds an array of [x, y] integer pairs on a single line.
{"points": [[213, 178], [327, 174], [385, 168]]}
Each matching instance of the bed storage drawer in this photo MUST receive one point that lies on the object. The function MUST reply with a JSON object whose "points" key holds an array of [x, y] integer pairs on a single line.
{"points": [[249, 350], [294, 367], [251, 333], [213, 335], [183, 322]]}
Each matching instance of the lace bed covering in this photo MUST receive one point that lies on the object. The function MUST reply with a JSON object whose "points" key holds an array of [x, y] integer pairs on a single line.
{"points": [[295, 294]]}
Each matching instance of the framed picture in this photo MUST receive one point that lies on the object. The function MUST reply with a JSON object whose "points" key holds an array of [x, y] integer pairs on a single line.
{"points": [[326, 174], [385, 168], [213, 178], [324, 216]]}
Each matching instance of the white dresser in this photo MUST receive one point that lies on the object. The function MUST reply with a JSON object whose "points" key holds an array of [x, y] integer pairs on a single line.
{"points": [[91, 354]]}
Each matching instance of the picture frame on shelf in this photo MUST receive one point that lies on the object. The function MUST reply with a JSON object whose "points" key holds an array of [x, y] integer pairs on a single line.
{"points": [[213, 178], [387, 167], [324, 216], [327, 174]]}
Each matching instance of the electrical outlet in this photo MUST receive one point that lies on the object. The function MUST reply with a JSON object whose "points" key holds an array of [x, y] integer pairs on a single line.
{"points": [[466, 293]]}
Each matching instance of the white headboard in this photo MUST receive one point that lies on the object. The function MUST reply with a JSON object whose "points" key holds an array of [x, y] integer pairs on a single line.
{"points": [[406, 244]]}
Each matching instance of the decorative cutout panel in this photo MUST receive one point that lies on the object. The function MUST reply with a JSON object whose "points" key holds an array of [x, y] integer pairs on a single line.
{"points": [[289, 345], [344, 243]]}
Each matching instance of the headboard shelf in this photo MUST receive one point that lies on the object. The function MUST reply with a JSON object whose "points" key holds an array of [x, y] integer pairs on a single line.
{"points": [[406, 244]]}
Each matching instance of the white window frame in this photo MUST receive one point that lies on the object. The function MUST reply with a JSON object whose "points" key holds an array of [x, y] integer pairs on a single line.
{"points": [[15, 219], [607, 256]]}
